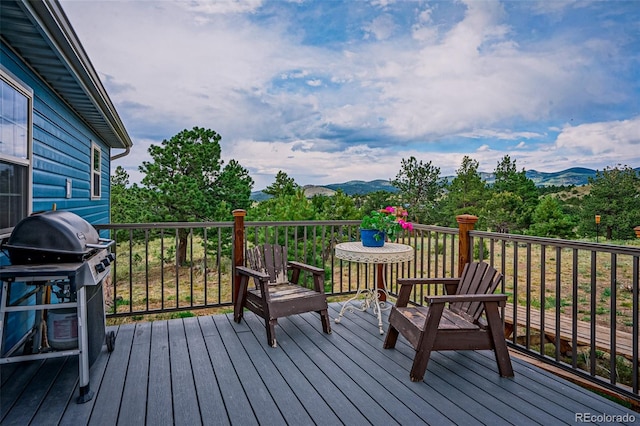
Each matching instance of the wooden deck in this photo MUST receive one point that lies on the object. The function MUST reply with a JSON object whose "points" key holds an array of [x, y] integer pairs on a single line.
{"points": [[209, 370]]}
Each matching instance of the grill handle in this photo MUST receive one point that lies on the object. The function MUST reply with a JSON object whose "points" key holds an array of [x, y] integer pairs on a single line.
{"points": [[105, 243]]}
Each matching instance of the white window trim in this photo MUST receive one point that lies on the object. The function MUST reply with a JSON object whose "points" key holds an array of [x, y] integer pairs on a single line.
{"points": [[27, 91], [95, 148]]}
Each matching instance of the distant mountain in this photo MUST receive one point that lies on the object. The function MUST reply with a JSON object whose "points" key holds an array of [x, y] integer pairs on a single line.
{"points": [[354, 187], [577, 176], [309, 191], [350, 188], [259, 196]]}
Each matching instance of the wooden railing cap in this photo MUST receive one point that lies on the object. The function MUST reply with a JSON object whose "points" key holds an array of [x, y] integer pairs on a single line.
{"points": [[466, 218]]}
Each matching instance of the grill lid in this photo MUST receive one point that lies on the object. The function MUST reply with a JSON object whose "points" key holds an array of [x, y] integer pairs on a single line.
{"points": [[57, 233]]}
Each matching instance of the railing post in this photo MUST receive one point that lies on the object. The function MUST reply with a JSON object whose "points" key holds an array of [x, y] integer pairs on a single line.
{"points": [[238, 248], [466, 223]]}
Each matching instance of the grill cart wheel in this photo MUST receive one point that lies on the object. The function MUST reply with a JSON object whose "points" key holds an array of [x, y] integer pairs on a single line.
{"points": [[111, 341]]}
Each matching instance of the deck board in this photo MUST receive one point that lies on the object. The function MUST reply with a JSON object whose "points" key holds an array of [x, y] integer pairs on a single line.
{"points": [[80, 414], [209, 370], [439, 394], [346, 357], [32, 394], [332, 365], [208, 393], [315, 406], [293, 343], [374, 402], [389, 373], [134, 394], [159, 400], [185, 402], [59, 395], [264, 407], [285, 398], [108, 403], [232, 392]]}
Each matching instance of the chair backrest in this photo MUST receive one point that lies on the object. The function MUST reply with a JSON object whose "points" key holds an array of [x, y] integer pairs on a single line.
{"points": [[270, 259], [477, 278]]}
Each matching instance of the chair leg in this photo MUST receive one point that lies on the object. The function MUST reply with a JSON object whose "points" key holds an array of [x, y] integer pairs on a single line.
{"points": [[499, 343], [427, 340], [238, 309], [271, 331], [326, 321], [238, 312], [419, 366], [391, 339]]}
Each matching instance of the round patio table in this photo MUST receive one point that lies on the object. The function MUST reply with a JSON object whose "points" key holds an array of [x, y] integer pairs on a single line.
{"points": [[379, 256]]}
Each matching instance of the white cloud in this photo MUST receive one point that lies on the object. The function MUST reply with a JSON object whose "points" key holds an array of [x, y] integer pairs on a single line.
{"points": [[499, 134], [470, 80], [170, 66], [221, 7], [614, 139], [381, 28]]}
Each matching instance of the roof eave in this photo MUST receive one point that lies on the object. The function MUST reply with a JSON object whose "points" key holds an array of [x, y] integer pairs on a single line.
{"points": [[99, 113]]}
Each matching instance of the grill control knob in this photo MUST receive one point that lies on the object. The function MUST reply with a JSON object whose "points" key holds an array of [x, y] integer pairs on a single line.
{"points": [[106, 262], [100, 267], [111, 257]]}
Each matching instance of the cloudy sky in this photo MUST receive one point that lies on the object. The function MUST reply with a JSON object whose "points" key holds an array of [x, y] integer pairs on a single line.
{"points": [[330, 91]]}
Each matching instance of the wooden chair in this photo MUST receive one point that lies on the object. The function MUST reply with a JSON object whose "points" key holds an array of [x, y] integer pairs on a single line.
{"points": [[458, 326], [274, 295]]}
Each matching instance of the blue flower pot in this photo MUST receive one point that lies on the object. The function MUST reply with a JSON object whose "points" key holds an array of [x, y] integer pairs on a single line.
{"points": [[372, 237]]}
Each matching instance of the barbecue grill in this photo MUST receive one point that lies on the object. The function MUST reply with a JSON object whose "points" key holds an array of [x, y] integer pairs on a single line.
{"points": [[60, 251]]}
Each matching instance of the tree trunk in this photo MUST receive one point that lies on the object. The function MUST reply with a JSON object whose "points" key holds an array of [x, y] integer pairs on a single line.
{"points": [[181, 252]]}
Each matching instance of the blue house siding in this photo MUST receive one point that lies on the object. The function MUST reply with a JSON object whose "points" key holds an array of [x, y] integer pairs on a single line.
{"points": [[61, 150]]}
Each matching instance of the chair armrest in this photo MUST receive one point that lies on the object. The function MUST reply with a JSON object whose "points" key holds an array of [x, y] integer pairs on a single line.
{"points": [[243, 270], [467, 298], [304, 266], [317, 273]]}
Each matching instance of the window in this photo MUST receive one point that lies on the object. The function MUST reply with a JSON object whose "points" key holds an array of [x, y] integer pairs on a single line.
{"points": [[96, 170], [15, 143]]}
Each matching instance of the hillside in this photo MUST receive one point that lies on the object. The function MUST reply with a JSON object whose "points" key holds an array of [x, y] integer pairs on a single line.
{"points": [[577, 176], [574, 176], [354, 187]]}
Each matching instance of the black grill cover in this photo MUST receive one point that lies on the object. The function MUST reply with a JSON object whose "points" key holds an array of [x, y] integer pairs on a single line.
{"points": [[54, 236]]}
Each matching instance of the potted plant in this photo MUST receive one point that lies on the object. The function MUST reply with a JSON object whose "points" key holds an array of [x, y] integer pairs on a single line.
{"points": [[381, 224]]}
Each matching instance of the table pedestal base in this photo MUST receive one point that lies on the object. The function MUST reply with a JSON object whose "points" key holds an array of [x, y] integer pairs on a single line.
{"points": [[371, 299]]}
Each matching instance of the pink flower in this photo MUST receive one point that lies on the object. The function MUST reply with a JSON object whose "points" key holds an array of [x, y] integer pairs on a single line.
{"points": [[390, 209], [405, 224]]}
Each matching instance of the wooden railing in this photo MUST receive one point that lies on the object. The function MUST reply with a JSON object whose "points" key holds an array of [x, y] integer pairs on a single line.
{"points": [[567, 292]]}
